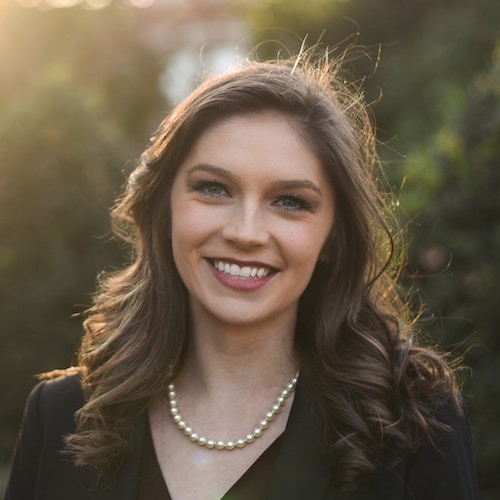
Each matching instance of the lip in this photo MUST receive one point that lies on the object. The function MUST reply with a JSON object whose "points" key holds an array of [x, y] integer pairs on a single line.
{"points": [[241, 283]]}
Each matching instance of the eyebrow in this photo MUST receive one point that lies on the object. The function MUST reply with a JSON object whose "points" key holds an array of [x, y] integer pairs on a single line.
{"points": [[212, 169], [280, 184], [297, 184]]}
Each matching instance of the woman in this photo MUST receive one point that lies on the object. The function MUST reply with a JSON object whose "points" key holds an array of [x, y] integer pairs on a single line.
{"points": [[255, 346]]}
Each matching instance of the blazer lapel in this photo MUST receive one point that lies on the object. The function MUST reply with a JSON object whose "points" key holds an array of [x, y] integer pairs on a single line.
{"points": [[301, 470]]}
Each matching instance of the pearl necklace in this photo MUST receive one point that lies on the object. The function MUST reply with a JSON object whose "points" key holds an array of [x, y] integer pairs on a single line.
{"points": [[229, 445]]}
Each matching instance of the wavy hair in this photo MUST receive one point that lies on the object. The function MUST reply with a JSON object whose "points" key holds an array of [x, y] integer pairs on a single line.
{"points": [[371, 386]]}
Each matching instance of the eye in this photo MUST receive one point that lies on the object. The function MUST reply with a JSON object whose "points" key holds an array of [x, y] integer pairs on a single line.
{"points": [[294, 203], [212, 189]]}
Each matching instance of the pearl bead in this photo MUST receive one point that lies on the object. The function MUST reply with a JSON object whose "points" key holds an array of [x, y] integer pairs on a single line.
{"points": [[229, 445]]}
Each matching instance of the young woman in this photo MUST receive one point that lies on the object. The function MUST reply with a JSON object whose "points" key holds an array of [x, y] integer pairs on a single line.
{"points": [[255, 347]]}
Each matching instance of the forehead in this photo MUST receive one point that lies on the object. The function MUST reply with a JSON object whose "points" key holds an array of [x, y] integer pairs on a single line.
{"points": [[261, 142]]}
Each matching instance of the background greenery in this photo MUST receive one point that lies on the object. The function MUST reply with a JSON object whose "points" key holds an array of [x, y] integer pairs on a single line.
{"points": [[79, 96]]}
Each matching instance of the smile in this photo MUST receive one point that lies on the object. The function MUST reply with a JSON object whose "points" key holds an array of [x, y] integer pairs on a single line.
{"points": [[241, 271]]}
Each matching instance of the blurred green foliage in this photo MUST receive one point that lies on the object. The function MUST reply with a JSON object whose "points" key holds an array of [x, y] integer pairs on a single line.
{"points": [[79, 95], [455, 248]]}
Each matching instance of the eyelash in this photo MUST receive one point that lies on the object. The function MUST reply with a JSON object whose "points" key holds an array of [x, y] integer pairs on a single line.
{"points": [[302, 204], [203, 187]]}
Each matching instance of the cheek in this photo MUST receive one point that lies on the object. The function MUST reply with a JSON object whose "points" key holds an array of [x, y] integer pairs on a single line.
{"points": [[180, 228], [190, 227], [304, 251]]}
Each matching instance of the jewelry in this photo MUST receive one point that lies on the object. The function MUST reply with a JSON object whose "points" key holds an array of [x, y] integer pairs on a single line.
{"points": [[239, 443]]}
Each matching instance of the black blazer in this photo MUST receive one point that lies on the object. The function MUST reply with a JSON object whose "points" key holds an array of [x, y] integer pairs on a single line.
{"points": [[40, 471]]}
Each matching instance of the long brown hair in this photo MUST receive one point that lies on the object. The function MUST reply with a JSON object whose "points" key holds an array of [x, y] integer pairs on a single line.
{"points": [[371, 386]]}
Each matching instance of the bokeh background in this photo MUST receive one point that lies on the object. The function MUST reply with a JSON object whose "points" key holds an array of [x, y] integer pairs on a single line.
{"points": [[83, 84]]}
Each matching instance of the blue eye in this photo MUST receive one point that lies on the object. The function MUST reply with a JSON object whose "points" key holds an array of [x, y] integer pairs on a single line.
{"points": [[293, 203], [211, 189]]}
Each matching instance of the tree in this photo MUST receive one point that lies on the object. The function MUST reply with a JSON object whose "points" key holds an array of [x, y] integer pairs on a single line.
{"points": [[78, 99], [61, 164], [452, 195], [414, 51]]}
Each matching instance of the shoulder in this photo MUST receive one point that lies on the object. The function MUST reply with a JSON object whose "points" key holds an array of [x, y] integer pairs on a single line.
{"points": [[442, 470], [64, 386], [39, 466], [447, 464], [56, 401], [457, 436]]}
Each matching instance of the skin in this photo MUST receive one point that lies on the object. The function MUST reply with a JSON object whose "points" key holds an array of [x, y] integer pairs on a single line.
{"points": [[252, 194]]}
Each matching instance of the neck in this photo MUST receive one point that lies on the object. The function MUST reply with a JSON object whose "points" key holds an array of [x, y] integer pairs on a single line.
{"points": [[231, 378], [234, 358]]}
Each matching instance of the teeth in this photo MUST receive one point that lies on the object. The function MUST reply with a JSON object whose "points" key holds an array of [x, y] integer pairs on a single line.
{"points": [[242, 272], [261, 272], [245, 271]]}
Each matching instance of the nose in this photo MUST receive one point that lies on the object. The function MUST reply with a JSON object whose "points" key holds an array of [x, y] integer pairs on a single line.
{"points": [[246, 227]]}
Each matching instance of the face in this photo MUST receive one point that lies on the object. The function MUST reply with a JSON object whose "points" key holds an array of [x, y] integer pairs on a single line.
{"points": [[252, 209]]}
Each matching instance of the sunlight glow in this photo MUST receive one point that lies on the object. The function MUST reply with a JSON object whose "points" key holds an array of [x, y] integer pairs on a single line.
{"points": [[141, 3], [29, 3], [97, 4], [62, 3], [188, 64], [90, 4]]}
